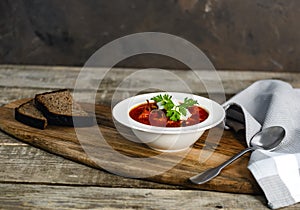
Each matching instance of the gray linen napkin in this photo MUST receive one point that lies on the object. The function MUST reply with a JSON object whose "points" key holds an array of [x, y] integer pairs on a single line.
{"points": [[263, 104]]}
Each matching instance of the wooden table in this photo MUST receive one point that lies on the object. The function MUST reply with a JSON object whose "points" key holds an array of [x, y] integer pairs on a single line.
{"points": [[33, 178]]}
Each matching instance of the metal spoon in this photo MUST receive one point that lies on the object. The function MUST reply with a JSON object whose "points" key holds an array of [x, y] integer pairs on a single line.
{"points": [[268, 139]]}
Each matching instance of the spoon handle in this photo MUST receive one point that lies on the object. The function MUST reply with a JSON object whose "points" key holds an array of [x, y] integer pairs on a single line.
{"points": [[213, 172]]}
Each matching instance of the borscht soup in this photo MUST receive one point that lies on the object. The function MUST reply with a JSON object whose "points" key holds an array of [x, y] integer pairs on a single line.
{"points": [[167, 112]]}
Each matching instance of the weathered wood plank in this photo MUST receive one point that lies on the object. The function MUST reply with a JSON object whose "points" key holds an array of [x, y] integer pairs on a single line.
{"points": [[6, 140], [27, 164], [86, 197], [48, 77], [25, 81], [9, 94]]}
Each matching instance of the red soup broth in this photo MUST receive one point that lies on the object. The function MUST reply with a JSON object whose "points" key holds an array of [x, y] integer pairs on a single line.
{"points": [[149, 114]]}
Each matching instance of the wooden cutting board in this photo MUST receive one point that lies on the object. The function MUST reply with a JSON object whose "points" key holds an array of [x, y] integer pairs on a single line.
{"points": [[63, 141]]}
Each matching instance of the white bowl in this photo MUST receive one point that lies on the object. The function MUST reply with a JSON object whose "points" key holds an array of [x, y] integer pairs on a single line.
{"points": [[168, 139]]}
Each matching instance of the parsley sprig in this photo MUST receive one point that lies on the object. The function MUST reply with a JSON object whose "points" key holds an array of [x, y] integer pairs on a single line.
{"points": [[174, 112]]}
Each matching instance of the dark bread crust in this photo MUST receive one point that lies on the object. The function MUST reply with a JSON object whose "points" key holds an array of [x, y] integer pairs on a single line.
{"points": [[63, 119], [29, 120]]}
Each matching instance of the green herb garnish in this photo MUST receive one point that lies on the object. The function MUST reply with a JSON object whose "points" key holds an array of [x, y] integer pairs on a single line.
{"points": [[174, 112]]}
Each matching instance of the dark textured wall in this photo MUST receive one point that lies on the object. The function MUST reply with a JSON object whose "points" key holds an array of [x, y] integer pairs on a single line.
{"points": [[235, 34]]}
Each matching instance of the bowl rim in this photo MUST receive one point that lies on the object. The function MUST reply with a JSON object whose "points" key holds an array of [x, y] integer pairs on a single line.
{"points": [[216, 113]]}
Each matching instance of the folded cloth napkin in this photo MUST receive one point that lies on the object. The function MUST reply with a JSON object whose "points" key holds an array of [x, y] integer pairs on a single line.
{"points": [[263, 104]]}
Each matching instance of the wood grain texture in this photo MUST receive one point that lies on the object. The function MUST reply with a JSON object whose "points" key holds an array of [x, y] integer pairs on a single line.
{"points": [[63, 141], [29, 165], [39, 78], [58, 181], [19, 81], [88, 197]]}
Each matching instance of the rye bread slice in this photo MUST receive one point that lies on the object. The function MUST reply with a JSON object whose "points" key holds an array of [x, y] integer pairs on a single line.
{"points": [[60, 109], [28, 114]]}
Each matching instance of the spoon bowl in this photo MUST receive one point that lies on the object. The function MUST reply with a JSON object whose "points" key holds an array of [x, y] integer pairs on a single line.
{"points": [[267, 139]]}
